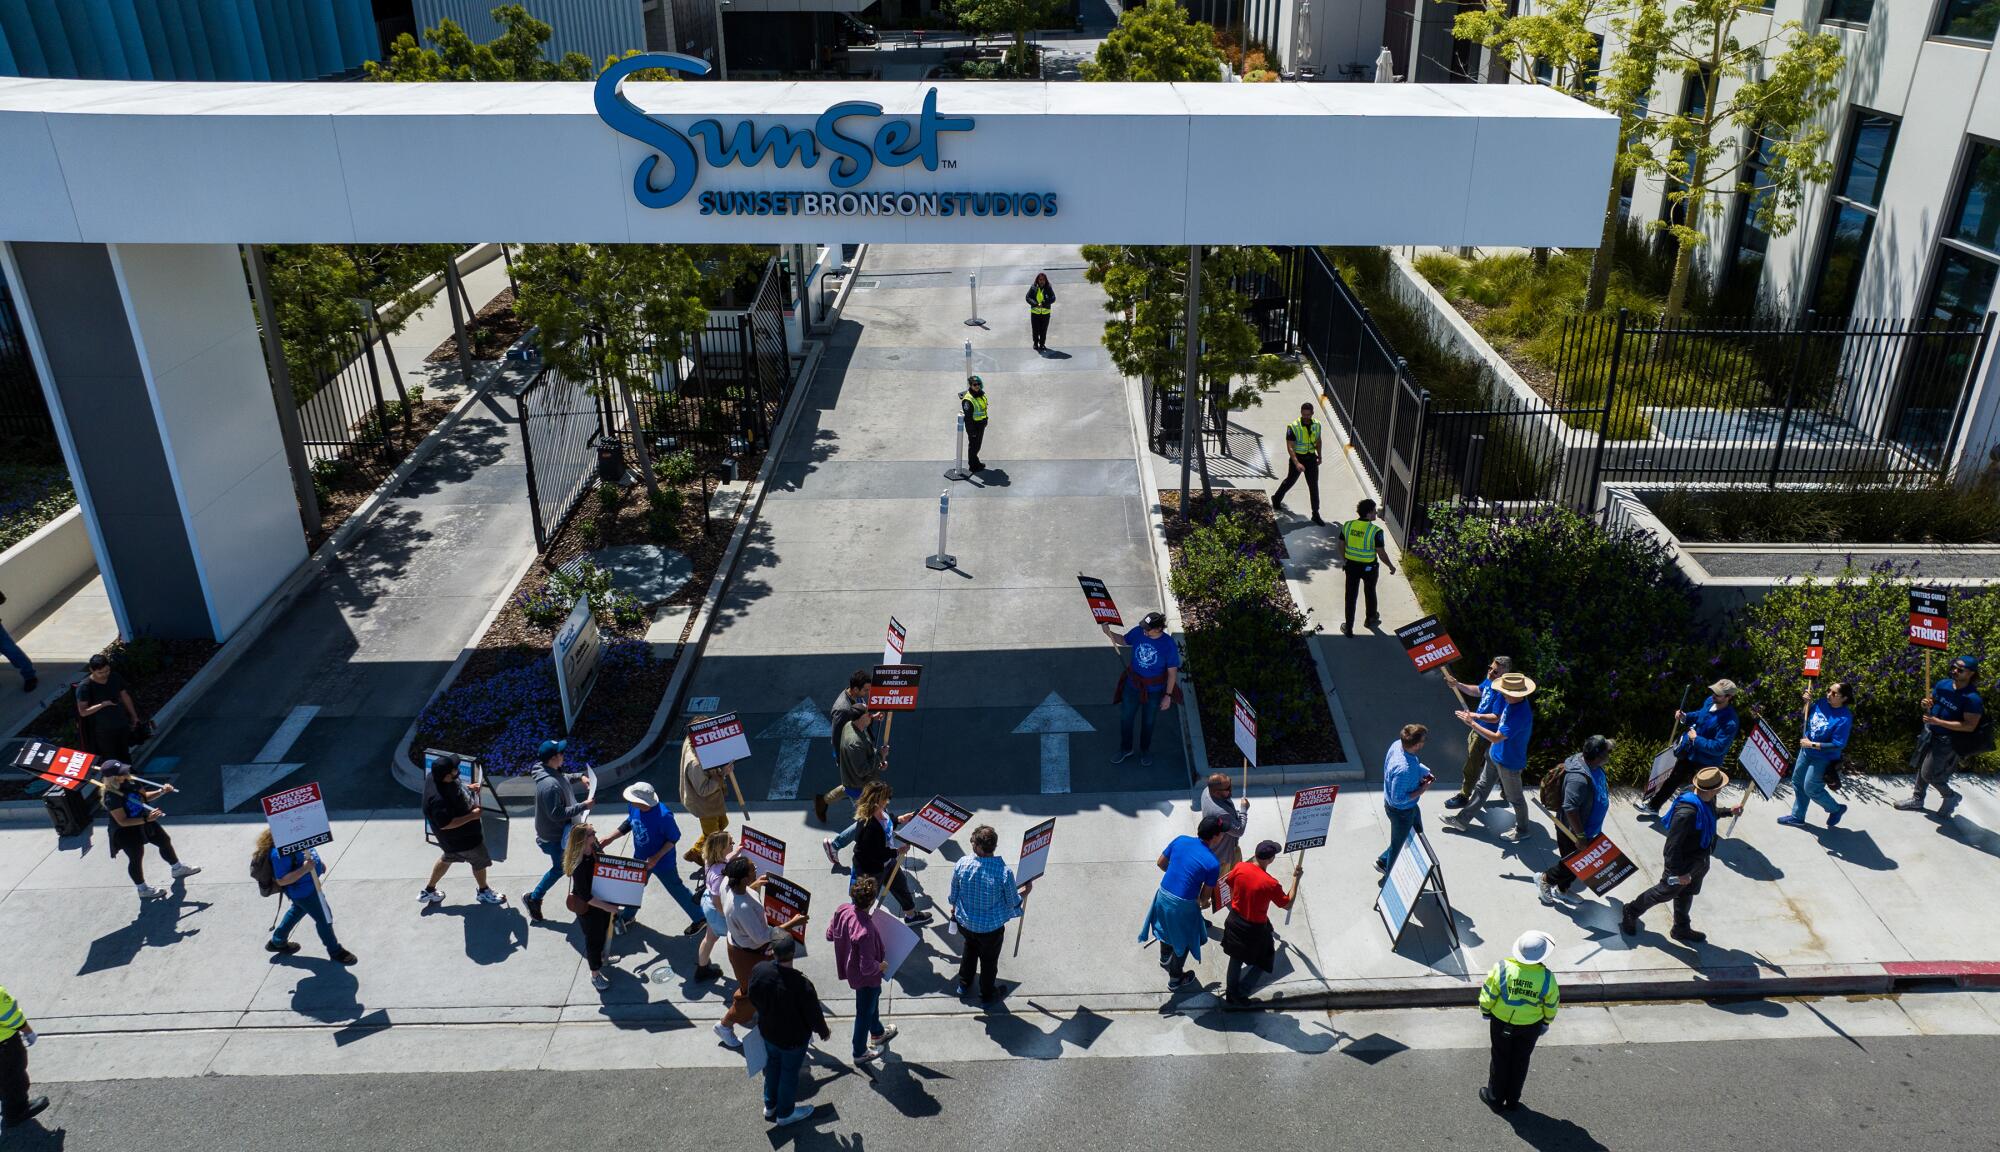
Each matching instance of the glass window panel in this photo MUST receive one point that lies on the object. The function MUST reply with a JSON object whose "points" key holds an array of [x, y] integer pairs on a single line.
{"points": [[1964, 289], [1849, 11], [1868, 158], [1969, 19], [1846, 249], [1976, 220]]}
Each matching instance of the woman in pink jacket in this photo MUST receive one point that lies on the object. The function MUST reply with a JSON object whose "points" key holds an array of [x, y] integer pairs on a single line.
{"points": [[860, 959]]}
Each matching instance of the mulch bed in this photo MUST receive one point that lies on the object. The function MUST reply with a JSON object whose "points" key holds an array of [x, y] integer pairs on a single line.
{"points": [[153, 670], [619, 712], [494, 329], [1317, 743], [342, 496]]}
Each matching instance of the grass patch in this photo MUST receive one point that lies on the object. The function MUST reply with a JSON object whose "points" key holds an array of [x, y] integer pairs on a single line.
{"points": [[34, 489]]}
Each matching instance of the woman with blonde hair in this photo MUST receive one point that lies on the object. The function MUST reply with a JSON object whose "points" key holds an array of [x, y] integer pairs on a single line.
{"points": [[878, 854], [593, 916], [294, 873], [717, 849]]}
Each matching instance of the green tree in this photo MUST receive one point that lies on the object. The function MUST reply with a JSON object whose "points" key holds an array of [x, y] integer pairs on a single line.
{"points": [[1146, 293], [1015, 17], [611, 316], [1554, 45], [1756, 97], [516, 54], [1157, 43]]}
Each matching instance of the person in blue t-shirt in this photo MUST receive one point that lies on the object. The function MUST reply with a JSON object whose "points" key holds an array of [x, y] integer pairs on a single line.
{"points": [[1711, 732], [295, 873], [1824, 742], [1506, 759], [1192, 873], [1151, 674], [1586, 800], [1486, 705], [1951, 723], [655, 838]]}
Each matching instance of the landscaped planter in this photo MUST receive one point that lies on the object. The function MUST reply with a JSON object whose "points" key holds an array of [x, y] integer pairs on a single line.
{"points": [[37, 570]]}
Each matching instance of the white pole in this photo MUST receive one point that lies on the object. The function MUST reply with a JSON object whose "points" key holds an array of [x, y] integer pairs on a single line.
{"points": [[975, 321], [957, 470], [968, 353], [943, 559]]}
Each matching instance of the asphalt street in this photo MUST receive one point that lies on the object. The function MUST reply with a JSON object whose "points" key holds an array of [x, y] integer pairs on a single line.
{"points": [[1774, 1096]]}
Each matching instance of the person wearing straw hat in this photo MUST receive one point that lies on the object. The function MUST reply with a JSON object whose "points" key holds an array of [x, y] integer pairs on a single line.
{"points": [[654, 839], [1507, 758], [1711, 731], [1519, 1000], [1691, 835]]}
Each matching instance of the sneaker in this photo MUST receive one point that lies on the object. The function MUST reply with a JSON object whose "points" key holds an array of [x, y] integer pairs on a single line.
{"points": [[868, 1055], [1278, 505], [727, 1035], [31, 683], [917, 919], [1382, 866], [960, 991], [183, 871], [1124, 754], [1545, 890], [534, 906], [36, 1107], [1791, 821], [1688, 934], [281, 947], [1456, 802], [489, 896], [1177, 983], [832, 853], [1628, 923], [1950, 805], [706, 972], [1455, 823], [1145, 760], [430, 896], [148, 892], [344, 958], [882, 1038], [1372, 622], [1833, 818], [819, 809], [1347, 629], [1514, 835], [619, 925], [1642, 808], [796, 1115], [600, 981], [695, 928], [1911, 805]]}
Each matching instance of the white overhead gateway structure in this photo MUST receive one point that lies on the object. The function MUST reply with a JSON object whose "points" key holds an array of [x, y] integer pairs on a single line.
{"points": [[122, 206]]}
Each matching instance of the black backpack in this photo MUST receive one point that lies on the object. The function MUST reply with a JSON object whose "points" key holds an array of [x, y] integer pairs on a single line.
{"points": [[260, 871], [1978, 740]]}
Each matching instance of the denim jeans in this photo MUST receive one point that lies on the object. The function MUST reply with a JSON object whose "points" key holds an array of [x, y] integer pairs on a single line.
{"points": [[845, 837], [1809, 785], [1402, 822], [298, 909], [15, 656], [867, 1017], [1145, 707], [671, 881], [553, 849], [781, 1078]]}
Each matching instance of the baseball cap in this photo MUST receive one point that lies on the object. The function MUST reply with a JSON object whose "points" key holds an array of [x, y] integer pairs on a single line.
{"points": [[1153, 620], [550, 748]]}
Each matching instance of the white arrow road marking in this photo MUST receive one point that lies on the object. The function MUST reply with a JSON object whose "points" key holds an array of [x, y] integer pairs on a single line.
{"points": [[795, 731], [240, 782], [1054, 721]]}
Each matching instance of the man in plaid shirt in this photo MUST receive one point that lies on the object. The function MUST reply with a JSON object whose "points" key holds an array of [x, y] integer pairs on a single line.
{"points": [[983, 898]]}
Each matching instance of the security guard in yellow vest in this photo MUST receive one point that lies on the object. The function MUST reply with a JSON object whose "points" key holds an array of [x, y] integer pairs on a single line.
{"points": [[1519, 999], [1362, 546], [1302, 437], [972, 402], [1040, 297], [15, 1037]]}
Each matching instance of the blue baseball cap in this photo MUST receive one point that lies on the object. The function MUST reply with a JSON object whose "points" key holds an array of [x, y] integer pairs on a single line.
{"points": [[550, 748], [1971, 663]]}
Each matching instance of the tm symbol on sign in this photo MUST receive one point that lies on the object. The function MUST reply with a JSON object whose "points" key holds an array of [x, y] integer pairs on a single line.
{"points": [[950, 163]]}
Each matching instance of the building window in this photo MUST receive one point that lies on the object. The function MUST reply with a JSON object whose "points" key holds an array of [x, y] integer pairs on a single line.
{"points": [[1857, 194], [1750, 241], [1963, 278], [1694, 105], [1857, 12], [1968, 19]]}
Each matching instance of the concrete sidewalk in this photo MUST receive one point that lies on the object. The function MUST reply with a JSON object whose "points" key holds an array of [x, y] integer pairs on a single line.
{"points": [[367, 641], [1847, 910]]}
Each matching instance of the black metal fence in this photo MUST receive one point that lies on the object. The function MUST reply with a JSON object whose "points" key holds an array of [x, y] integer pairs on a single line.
{"points": [[718, 401], [355, 418], [24, 411]]}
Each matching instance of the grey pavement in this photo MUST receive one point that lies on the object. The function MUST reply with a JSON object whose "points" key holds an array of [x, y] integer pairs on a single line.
{"points": [[367, 641], [853, 512], [1846, 1086]]}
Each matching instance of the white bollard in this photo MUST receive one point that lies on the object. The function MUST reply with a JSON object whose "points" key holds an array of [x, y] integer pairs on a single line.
{"points": [[943, 559], [968, 360], [957, 470], [975, 322]]}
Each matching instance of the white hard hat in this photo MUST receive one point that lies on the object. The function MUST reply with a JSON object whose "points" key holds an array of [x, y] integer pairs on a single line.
{"points": [[1533, 947]]}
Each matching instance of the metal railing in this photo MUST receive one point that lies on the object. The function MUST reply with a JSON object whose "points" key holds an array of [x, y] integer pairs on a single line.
{"points": [[354, 418]]}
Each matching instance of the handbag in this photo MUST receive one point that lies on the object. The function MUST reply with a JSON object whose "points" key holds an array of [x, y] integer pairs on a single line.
{"points": [[576, 904]]}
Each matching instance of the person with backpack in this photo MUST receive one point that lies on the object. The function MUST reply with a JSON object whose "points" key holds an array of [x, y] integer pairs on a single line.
{"points": [[454, 815], [1579, 794], [295, 874], [135, 823], [1955, 727]]}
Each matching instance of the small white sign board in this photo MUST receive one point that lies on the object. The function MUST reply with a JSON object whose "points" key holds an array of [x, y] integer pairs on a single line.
{"points": [[1246, 729], [298, 819], [578, 652]]}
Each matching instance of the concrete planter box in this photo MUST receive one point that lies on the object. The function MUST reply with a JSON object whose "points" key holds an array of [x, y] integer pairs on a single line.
{"points": [[39, 569], [1734, 575]]}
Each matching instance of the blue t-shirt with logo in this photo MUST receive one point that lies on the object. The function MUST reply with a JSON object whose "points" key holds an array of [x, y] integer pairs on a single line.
{"points": [[1950, 702], [1190, 865], [1490, 701], [652, 829], [284, 864], [1151, 657]]}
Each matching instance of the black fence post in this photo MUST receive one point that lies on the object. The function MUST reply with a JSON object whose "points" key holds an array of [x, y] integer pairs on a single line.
{"points": [[1604, 421], [528, 458], [753, 376], [381, 403], [1468, 480], [1791, 394]]}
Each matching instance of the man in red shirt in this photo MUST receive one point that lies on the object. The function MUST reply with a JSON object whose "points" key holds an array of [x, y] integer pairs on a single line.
{"points": [[1247, 937]]}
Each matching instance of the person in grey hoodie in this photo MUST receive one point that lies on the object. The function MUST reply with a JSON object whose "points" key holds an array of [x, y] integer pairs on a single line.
{"points": [[556, 808]]}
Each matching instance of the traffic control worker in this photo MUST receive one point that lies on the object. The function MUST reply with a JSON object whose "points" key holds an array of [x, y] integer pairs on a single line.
{"points": [[1302, 440], [1519, 999], [1362, 547], [15, 1037], [972, 403], [1040, 298]]}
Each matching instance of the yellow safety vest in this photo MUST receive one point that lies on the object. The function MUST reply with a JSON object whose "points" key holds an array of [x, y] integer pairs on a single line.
{"points": [[1361, 537], [11, 1020], [1516, 993], [1039, 303], [978, 404], [1305, 437]]}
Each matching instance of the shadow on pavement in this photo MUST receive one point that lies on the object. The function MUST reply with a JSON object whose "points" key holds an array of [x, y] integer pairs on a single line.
{"points": [[491, 933], [156, 926], [1547, 1133], [1024, 1041]]}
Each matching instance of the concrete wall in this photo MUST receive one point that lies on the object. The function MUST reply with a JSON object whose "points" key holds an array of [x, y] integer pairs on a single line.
{"points": [[35, 571]]}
